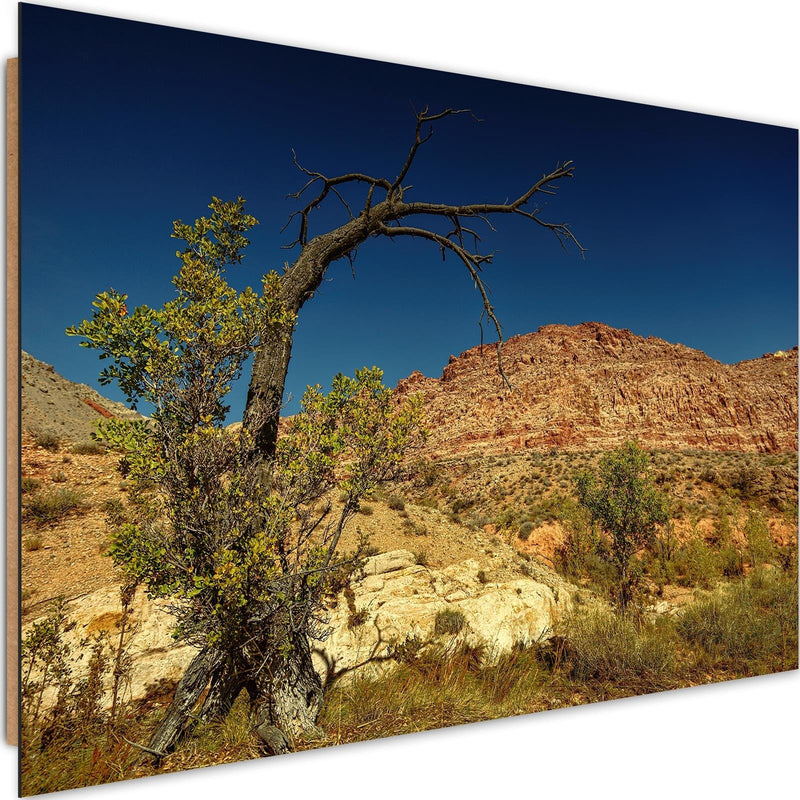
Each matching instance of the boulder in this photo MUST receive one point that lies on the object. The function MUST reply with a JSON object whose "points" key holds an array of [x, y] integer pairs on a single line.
{"points": [[395, 599]]}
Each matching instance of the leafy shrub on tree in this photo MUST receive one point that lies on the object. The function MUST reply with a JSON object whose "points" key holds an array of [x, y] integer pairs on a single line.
{"points": [[623, 499], [245, 560]]}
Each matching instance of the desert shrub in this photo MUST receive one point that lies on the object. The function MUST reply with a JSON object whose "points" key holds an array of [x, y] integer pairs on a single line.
{"points": [[581, 541], [606, 646], [622, 498], [750, 625], [31, 542], [396, 503], [525, 530], [449, 621], [731, 561], [68, 739], [413, 528], [746, 480], [47, 441], [88, 449], [366, 510], [407, 651], [421, 557], [697, 564], [59, 477], [51, 506], [28, 485], [759, 541]]}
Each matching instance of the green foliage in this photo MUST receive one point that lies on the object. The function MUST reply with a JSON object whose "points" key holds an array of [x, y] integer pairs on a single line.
{"points": [[623, 499], [698, 564], [759, 541], [245, 546], [195, 344]]}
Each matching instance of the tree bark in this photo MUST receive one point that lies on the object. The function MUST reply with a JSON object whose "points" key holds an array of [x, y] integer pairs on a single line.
{"points": [[287, 695], [225, 684], [187, 693]]}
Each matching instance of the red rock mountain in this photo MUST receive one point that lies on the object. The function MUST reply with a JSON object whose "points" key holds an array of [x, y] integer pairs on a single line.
{"points": [[593, 386]]}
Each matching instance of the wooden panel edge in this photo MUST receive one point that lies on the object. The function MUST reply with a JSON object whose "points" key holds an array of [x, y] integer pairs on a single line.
{"points": [[12, 400]]}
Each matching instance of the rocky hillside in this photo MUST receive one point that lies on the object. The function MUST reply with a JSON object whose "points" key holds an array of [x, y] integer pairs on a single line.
{"points": [[592, 386], [53, 404]]}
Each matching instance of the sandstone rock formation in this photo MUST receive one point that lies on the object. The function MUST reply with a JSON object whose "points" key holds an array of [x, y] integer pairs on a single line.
{"points": [[592, 386], [398, 599]]}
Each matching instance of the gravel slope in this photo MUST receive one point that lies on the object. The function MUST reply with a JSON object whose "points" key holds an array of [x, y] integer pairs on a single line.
{"points": [[53, 404]]}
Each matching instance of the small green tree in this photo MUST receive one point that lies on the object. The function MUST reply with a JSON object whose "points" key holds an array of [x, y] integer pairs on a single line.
{"points": [[623, 499], [245, 553]]}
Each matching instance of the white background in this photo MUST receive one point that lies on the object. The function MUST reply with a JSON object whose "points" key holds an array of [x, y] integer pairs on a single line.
{"points": [[735, 59]]}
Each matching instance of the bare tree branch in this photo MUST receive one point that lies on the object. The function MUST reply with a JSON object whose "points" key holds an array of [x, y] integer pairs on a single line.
{"points": [[384, 213]]}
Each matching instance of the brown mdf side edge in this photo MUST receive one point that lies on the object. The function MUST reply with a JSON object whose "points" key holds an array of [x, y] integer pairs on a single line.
{"points": [[12, 398]]}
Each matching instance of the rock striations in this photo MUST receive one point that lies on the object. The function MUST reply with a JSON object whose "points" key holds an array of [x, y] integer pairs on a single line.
{"points": [[593, 386]]}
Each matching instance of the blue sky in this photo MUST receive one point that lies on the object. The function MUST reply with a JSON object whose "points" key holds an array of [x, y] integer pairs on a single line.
{"points": [[690, 221]]}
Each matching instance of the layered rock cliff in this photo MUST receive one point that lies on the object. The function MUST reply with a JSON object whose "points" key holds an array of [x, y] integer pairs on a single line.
{"points": [[593, 386]]}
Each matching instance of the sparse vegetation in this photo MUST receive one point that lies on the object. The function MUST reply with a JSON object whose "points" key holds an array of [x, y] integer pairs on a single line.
{"points": [[396, 503], [47, 441], [29, 485], [47, 507], [88, 449]]}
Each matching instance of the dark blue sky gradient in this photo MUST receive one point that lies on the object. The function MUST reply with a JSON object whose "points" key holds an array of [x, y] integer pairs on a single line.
{"points": [[690, 221]]}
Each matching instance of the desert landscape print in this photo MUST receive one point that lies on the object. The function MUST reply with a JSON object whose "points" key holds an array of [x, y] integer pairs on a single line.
{"points": [[361, 399]]}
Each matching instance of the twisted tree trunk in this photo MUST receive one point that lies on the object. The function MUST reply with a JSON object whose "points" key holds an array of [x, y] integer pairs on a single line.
{"points": [[287, 696], [187, 693]]}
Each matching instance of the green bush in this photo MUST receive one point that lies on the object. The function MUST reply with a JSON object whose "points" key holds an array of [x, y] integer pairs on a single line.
{"points": [[759, 540], [750, 625], [51, 506], [449, 621], [606, 646], [698, 564]]}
